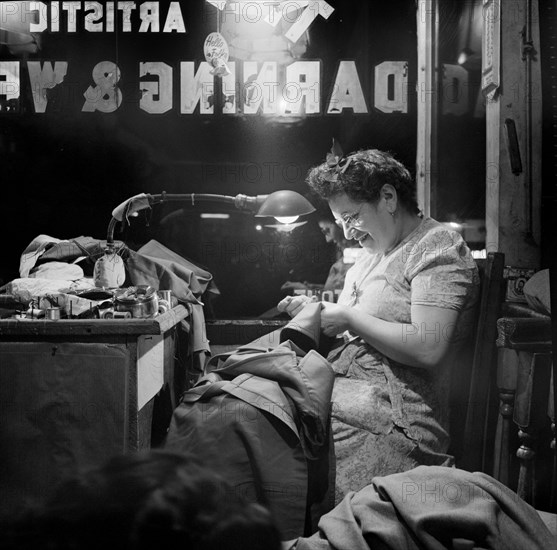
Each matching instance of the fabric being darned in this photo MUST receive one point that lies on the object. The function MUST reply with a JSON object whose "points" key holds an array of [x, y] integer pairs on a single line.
{"points": [[261, 417]]}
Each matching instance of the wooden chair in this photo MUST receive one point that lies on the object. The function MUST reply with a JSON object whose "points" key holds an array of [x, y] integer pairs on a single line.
{"points": [[502, 398], [486, 433], [473, 385]]}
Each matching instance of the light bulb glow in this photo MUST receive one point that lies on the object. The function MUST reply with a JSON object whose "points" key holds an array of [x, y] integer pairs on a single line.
{"points": [[286, 219]]}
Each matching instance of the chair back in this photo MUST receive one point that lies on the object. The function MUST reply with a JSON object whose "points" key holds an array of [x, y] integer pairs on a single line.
{"points": [[474, 401]]}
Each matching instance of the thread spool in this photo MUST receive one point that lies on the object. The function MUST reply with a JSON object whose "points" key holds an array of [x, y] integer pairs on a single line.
{"points": [[165, 295], [164, 306], [106, 313], [110, 314], [121, 315]]}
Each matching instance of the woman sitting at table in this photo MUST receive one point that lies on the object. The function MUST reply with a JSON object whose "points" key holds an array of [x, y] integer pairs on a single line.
{"points": [[404, 309]]}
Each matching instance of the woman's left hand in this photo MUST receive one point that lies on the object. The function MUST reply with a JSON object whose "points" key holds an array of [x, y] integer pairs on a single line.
{"points": [[334, 318], [294, 304]]}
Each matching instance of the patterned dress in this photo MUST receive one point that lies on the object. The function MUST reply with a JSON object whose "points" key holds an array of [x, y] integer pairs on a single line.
{"points": [[388, 417]]}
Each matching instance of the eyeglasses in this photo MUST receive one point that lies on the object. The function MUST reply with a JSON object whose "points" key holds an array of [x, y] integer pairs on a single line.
{"points": [[352, 220]]}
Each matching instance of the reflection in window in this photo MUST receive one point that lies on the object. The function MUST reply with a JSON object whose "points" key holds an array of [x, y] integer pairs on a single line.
{"points": [[461, 121]]}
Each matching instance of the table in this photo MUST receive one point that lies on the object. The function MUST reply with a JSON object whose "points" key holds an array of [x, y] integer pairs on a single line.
{"points": [[75, 392]]}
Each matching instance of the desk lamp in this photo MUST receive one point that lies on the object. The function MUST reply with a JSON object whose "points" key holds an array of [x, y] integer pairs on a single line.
{"points": [[285, 206]]}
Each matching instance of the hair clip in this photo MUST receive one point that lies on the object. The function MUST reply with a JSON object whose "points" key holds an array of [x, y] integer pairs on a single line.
{"points": [[335, 158]]}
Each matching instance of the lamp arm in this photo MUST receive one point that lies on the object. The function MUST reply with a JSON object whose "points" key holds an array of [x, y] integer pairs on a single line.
{"points": [[240, 201], [133, 205]]}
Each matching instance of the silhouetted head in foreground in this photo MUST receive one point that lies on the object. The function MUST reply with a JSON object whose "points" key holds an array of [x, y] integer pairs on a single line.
{"points": [[142, 501]]}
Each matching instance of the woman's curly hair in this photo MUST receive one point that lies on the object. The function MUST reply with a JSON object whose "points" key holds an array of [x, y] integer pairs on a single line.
{"points": [[361, 175]]}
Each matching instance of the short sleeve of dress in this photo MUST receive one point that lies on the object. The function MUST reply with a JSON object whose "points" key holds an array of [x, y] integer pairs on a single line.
{"points": [[441, 270]]}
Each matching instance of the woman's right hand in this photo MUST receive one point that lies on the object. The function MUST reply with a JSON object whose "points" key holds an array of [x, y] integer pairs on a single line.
{"points": [[294, 304]]}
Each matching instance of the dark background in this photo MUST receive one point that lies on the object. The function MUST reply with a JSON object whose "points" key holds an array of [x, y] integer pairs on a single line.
{"points": [[64, 171]]}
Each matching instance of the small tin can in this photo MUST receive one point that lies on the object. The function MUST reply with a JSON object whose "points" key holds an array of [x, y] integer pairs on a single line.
{"points": [[52, 313]]}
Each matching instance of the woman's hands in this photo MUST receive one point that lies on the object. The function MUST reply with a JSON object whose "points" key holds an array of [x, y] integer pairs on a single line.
{"points": [[294, 304], [335, 318]]}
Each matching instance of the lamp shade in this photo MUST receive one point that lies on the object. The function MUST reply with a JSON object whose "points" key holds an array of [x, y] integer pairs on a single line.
{"points": [[283, 204]]}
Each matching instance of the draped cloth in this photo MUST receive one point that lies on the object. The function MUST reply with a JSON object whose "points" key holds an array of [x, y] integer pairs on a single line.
{"points": [[431, 507]]}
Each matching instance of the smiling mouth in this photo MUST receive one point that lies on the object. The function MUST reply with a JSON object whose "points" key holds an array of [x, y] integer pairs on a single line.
{"points": [[362, 238]]}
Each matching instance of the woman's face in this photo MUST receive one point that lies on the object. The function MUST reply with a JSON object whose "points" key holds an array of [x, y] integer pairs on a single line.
{"points": [[371, 225]]}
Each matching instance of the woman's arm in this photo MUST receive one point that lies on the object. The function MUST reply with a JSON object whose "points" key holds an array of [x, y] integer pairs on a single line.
{"points": [[422, 343]]}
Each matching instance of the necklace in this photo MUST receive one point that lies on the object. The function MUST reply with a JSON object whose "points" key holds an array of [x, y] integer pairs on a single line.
{"points": [[357, 290], [356, 293]]}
